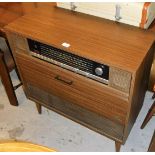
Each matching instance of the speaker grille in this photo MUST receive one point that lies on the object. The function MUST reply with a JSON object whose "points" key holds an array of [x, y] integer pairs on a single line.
{"points": [[40, 94], [20, 42], [77, 113], [120, 79]]}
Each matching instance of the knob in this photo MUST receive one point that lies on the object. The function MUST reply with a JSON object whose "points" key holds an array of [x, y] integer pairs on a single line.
{"points": [[99, 71]]}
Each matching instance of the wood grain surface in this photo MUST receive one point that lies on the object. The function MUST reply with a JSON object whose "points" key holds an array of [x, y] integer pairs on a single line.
{"points": [[83, 91], [114, 44], [77, 113], [152, 75]]}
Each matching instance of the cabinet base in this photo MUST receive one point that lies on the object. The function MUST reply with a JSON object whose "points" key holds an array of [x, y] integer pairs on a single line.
{"points": [[117, 144]]}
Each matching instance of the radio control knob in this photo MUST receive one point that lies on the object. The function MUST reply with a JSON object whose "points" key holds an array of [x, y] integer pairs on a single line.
{"points": [[99, 71]]}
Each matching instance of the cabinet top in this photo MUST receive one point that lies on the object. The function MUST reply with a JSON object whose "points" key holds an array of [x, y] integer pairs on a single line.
{"points": [[98, 39]]}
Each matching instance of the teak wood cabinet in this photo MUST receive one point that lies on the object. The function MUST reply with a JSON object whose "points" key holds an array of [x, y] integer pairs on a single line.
{"points": [[109, 109]]}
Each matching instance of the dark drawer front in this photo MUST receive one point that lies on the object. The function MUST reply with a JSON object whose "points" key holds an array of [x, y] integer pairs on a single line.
{"points": [[72, 87]]}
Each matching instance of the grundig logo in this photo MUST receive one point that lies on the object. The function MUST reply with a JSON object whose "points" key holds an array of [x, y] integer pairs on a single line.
{"points": [[65, 45]]}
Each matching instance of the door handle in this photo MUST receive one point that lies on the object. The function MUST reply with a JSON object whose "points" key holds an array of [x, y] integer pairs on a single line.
{"points": [[69, 82]]}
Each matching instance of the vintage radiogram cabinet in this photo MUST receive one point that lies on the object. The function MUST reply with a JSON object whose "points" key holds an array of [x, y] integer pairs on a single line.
{"points": [[101, 68]]}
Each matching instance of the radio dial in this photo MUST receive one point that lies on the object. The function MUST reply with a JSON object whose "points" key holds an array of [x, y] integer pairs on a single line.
{"points": [[99, 71]]}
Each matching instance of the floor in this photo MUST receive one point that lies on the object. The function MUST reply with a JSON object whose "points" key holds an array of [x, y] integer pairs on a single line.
{"points": [[55, 131]]}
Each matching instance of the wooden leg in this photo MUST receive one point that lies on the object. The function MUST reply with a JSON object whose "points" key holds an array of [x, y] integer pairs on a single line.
{"points": [[38, 108], [117, 146], [149, 115], [6, 80], [152, 144], [153, 96]]}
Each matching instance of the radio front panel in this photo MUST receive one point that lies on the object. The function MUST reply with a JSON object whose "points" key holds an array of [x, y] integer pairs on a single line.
{"points": [[72, 62], [112, 76]]}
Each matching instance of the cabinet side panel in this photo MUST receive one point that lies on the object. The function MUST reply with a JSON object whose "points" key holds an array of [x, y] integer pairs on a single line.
{"points": [[138, 89], [16, 41], [152, 75]]}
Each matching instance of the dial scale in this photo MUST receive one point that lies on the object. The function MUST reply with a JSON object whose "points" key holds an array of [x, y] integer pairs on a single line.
{"points": [[72, 62]]}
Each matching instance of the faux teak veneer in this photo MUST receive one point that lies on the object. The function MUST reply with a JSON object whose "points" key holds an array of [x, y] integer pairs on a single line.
{"points": [[107, 103]]}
